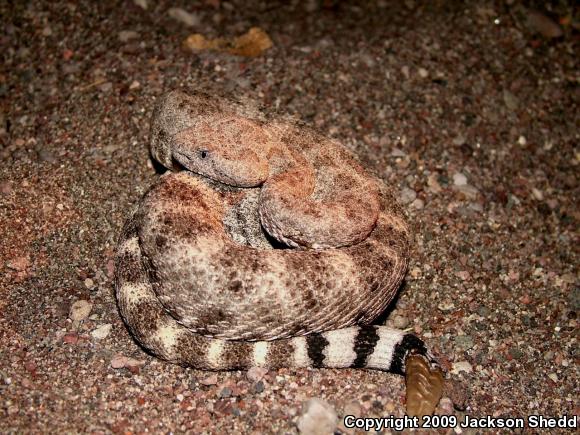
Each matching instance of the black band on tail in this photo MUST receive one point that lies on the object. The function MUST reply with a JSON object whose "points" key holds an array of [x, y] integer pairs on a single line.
{"points": [[364, 345], [315, 344], [409, 343]]}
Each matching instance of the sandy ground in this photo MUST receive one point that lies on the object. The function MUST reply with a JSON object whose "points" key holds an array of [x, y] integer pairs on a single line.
{"points": [[468, 111]]}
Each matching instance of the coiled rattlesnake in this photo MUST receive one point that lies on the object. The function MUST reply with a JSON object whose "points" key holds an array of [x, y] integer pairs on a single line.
{"points": [[193, 294]]}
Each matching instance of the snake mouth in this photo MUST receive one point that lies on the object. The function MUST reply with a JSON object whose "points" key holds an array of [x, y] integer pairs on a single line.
{"points": [[183, 159], [207, 168], [185, 162]]}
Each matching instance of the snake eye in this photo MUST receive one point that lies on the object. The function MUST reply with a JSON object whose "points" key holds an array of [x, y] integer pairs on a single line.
{"points": [[204, 154]]}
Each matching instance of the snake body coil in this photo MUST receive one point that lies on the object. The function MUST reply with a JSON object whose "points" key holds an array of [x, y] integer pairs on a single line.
{"points": [[194, 295]]}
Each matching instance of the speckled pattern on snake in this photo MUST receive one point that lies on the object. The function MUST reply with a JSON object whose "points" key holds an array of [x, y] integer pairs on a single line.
{"points": [[326, 253]]}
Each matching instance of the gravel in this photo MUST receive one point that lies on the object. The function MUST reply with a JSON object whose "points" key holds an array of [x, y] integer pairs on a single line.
{"points": [[488, 90]]}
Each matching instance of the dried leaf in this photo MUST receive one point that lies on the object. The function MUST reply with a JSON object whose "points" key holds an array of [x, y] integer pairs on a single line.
{"points": [[250, 44], [198, 42]]}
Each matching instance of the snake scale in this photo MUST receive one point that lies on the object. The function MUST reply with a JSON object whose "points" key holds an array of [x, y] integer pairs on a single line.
{"points": [[327, 253]]}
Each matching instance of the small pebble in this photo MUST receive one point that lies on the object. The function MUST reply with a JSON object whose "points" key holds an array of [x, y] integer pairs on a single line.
{"points": [[102, 331], [225, 393], [433, 184], [537, 194], [256, 374], [459, 140], [143, 4], [398, 153], [418, 204], [446, 305], [445, 406], [80, 310], [259, 387], [463, 274], [67, 54], [400, 322], [423, 73], [106, 87], [461, 366], [30, 366], [522, 141], [318, 418], [127, 35], [408, 195], [134, 365], [71, 338], [184, 17], [470, 192], [119, 361], [89, 283], [553, 377], [210, 380], [415, 272], [459, 179]]}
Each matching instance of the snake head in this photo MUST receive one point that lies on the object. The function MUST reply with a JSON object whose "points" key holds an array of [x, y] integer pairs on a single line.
{"points": [[224, 149], [203, 134]]}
